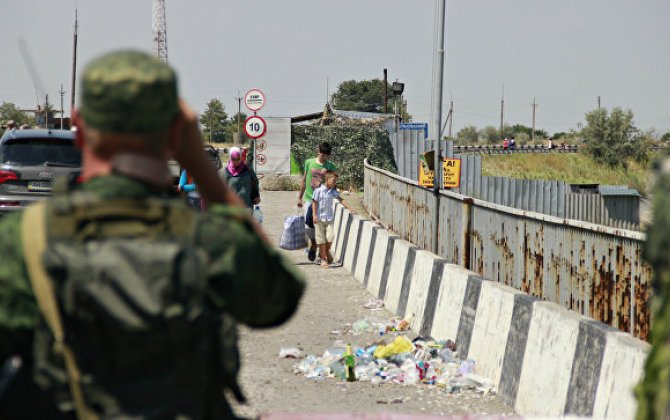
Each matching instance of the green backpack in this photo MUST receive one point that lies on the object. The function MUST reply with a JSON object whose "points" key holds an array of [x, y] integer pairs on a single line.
{"points": [[130, 287]]}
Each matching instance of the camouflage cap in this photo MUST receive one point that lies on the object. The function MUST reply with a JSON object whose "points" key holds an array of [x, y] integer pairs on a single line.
{"points": [[128, 92]]}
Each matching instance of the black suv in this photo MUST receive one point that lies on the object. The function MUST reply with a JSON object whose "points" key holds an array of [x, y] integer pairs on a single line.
{"points": [[29, 162]]}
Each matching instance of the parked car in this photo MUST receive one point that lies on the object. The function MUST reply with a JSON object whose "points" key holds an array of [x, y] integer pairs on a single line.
{"points": [[30, 160]]}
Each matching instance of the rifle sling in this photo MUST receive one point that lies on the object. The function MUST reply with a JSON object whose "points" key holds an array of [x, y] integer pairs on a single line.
{"points": [[33, 236]]}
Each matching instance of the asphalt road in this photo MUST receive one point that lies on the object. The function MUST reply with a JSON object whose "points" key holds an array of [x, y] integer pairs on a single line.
{"points": [[333, 299]]}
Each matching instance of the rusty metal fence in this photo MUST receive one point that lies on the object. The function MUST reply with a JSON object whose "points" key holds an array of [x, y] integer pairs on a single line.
{"points": [[550, 197], [592, 269]]}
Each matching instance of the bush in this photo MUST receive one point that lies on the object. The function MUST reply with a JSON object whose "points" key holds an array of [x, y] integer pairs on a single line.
{"points": [[351, 145], [612, 139]]}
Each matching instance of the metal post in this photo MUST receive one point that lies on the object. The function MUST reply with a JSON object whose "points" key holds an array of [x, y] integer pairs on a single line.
{"points": [[451, 116], [502, 114], [385, 91], [239, 111], [437, 115], [532, 133], [46, 111], [61, 92], [73, 87]]}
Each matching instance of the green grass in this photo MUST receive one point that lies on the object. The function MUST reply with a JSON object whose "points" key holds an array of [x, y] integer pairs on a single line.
{"points": [[573, 168]]}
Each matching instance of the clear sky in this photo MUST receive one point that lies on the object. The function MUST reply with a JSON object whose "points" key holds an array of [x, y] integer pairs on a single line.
{"points": [[563, 53]]}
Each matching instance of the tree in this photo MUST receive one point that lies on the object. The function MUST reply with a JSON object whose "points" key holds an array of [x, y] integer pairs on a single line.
{"points": [[232, 125], [490, 134], [214, 121], [366, 96], [665, 137], [9, 111], [468, 135], [612, 138], [519, 129]]}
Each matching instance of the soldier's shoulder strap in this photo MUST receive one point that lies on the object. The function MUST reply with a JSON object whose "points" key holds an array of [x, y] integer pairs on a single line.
{"points": [[118, 216], [33, 238]]}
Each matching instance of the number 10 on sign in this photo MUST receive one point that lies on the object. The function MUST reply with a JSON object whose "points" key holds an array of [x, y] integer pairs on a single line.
{"points": [[255, 127]]}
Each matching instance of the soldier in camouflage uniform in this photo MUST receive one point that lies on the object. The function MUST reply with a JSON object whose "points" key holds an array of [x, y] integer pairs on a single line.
{"points": [[148, 292], [653, 393]]}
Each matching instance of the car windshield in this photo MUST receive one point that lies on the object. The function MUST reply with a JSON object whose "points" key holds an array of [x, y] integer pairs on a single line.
{"points": [[50, 152]]}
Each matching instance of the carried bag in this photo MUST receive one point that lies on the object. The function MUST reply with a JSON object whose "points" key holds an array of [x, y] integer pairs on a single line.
{"points": [[293, 235]]}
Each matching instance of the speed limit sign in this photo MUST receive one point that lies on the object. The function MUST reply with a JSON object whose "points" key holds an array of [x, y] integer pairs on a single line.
{"points": [[255, 127]]}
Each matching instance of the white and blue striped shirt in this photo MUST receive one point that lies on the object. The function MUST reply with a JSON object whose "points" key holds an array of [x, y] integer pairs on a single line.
{"points": [[324, 198]]}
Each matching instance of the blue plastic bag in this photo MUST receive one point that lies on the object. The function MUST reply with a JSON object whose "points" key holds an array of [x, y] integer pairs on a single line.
{"points": [[293, 234]]}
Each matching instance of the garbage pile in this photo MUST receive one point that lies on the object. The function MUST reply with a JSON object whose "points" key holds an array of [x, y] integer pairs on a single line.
{"points": [[394, 358]]}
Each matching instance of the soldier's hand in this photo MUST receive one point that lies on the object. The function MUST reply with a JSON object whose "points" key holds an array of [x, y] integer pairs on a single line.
{"points": [[187, 148]]}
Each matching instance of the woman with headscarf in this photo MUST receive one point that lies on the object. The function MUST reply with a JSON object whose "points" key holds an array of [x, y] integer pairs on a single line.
{"points": [[241, 178]]}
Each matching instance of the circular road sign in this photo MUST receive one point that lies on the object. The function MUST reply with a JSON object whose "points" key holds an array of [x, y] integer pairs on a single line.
{"points": [[254, 100], [255, 127], [261, 159], [261, 145]]}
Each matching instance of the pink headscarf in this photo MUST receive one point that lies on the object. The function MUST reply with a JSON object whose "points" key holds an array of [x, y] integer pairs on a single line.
{"points": [[235, 170]]}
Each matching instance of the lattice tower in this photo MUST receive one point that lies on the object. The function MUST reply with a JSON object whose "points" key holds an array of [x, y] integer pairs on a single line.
{"points": [[159, 28]]}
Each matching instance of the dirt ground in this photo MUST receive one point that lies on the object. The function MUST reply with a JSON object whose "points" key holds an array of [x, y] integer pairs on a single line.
{"points": [[332, 300]]}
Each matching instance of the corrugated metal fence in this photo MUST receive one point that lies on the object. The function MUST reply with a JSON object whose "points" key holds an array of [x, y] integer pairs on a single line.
{"points": [[592, 269], [550, 197]]}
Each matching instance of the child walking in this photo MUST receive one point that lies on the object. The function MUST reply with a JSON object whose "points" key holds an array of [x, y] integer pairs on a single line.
{"points": [[324, 216]]}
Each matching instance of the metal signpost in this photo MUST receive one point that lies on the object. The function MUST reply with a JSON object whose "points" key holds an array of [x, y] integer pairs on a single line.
{"points": [[255, 126]]}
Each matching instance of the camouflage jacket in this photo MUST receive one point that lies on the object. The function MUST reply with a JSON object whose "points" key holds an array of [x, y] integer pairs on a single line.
{"points": [[248, 280], [653, 392]]}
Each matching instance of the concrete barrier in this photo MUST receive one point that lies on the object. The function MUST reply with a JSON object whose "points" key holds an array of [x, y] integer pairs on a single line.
{"points": [[545, 360]]}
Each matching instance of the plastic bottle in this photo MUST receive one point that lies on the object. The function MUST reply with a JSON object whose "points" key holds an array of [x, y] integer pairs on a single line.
{"points": [[350, 364], [258, 214], [467, 366], [446, 355]]}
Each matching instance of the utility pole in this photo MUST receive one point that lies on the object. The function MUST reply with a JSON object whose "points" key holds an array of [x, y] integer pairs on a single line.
{"points": [[385, 91], [62, 93], [598, 101], [46, 111], [502, 114], [74, 64], [239, 110], [437, 114], [532, 133], [451, 116]]}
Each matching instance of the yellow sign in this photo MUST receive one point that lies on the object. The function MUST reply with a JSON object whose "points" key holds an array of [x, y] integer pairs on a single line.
{"points": [[451, 173], [426, 175]]}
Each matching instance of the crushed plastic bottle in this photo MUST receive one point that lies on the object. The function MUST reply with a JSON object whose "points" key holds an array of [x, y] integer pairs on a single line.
{"points": [[446, 355], [361, 325], [467, 366], [411, 373]]}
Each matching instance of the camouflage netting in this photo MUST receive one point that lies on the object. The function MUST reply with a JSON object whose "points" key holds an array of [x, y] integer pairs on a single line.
{"points": [[351, 143]]}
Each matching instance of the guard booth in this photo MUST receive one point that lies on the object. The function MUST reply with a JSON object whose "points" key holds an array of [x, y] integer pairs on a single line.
{"points": [[272, 152]]}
